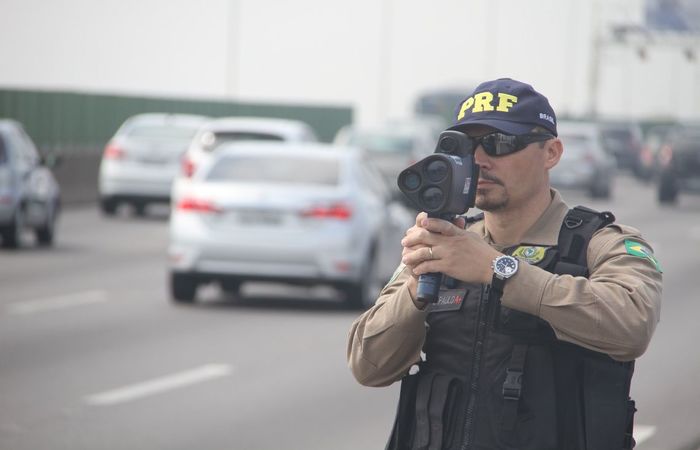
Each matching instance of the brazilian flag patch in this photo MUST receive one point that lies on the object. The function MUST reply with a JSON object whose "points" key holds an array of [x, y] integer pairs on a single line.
{"points": [[642, 251]]}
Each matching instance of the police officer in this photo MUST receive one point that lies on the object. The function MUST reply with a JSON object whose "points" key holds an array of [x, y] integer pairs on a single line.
{"points": [[542, 311]]}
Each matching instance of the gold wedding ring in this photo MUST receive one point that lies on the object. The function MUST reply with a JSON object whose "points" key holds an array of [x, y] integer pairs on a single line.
{"points": [[430, 249]]}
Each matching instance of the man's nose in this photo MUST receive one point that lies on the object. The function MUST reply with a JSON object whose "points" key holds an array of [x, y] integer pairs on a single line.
{"points": [[481, 158]]}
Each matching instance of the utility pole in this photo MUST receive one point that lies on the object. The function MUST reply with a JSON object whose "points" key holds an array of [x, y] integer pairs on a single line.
{"points": [[594, 64], [232, 48]]}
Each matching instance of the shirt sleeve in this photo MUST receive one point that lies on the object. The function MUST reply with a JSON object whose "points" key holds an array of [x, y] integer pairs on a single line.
{"points": [[614, 311], [387, 339]]}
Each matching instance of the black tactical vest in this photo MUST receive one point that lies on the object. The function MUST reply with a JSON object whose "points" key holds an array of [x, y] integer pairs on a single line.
{"points": [[497, 378]]}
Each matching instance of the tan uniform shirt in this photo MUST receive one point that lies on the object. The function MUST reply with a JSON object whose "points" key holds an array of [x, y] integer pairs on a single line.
{"points": [[614, 311]]}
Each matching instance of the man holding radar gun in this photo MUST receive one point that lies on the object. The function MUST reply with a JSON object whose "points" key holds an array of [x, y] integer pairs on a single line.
{"points": [[516, 328]]}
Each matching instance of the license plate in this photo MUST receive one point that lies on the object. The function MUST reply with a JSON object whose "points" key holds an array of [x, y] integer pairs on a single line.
{"points": [[153, 160], [259, 217]]}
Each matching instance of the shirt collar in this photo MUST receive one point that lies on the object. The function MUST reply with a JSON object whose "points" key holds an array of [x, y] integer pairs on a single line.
{"points": [[545, 230]]}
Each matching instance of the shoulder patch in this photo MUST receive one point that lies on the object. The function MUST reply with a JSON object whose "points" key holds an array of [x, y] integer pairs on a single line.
{"points": [[642, 251], [530, 254]]}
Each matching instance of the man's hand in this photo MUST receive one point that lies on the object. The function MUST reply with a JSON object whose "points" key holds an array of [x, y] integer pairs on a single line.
{"points": [[456, 252]]}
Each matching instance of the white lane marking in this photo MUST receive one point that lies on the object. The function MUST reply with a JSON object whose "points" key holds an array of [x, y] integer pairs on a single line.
{"points": [[643, 432], [56, 303], [158, 385]]}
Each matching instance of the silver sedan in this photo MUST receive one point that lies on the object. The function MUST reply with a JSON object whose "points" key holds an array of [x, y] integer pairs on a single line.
{"points": [[143, 158], [302, 213]]}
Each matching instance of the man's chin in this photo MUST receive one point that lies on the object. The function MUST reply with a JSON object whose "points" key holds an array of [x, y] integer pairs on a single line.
{"points": [[487, 201]]}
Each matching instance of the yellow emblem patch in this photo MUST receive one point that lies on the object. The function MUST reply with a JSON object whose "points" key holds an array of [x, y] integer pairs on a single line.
{"points": [[530, 254]]}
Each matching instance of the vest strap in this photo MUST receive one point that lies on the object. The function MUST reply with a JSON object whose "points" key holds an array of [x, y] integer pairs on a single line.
{"points": [[575, 233], [441, 385], [512, 388], [422, 436]]}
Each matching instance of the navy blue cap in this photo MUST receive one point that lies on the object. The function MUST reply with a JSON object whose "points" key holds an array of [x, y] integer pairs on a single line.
{"points": [[507, 105]]}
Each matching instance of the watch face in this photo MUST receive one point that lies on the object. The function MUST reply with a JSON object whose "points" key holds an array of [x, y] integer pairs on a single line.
{"points": [[506, 266]]}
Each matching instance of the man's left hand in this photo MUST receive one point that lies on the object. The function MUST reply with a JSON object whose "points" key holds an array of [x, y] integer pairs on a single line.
{"points": [[456, 252]]}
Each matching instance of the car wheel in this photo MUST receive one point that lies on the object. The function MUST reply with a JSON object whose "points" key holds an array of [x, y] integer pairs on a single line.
{"points": [[668, 190], [139, 209], [12, 233], [45, 234], [108, 206], [230, 287], [183, 287], [363, 293]]}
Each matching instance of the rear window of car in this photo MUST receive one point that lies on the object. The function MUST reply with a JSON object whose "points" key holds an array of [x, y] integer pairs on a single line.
{"points": [[211, 140], [275, 170], [246, 136], [575, 145], [161, 132], [617, 137], [573, 139]]}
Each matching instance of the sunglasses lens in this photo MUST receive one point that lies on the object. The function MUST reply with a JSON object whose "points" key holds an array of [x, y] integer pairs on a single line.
{"points": [[499, 144]]}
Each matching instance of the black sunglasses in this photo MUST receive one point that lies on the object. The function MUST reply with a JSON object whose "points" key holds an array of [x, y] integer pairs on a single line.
{"points": [[500, 144]]}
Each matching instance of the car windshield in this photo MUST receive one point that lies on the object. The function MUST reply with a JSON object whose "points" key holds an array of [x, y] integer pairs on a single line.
{"points": [[153, 131], [616, 138], [275, 170], [575, 146], [382, 143]]}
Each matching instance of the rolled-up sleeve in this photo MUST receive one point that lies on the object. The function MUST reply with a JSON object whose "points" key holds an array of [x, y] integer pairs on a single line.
{"points": [[387, 339], [614, 311]]}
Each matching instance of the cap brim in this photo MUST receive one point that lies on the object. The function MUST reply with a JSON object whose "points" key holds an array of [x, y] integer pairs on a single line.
{"points": [[501, 125]]}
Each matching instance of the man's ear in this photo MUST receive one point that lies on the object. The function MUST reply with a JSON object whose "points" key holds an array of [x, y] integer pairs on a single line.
{"points": [[553, 151]]}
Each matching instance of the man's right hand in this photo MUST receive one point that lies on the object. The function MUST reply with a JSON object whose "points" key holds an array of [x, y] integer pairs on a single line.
{"points": [[413, 281]]}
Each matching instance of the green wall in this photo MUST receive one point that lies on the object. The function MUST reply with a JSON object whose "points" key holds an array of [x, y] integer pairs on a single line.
{"points": [[77, 123]]}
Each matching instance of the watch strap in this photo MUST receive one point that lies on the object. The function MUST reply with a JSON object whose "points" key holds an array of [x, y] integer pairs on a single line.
{"points": [[498, 283]]}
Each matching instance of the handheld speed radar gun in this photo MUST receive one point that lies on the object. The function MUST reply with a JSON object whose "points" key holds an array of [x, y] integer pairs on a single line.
{"points": [[443, 185]]}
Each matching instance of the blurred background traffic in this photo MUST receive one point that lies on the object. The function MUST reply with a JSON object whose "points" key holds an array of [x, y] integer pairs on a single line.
{"points": [[196, 200]]}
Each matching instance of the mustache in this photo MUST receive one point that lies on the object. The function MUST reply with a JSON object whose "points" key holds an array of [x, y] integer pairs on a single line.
{"points": [[489, 177]]}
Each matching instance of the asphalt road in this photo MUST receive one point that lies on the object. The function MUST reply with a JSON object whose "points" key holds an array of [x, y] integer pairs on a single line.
{"points": [[93, 355]]}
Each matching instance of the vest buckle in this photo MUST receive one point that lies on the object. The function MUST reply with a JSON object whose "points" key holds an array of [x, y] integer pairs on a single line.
{"points": [[512, 386], [572, 222]]}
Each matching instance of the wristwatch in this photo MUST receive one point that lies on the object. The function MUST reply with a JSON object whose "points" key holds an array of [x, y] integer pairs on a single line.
{"points": [[504, 267]]}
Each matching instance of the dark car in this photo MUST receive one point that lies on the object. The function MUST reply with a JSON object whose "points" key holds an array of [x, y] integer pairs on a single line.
{"points": [[679, 163], [654, 139], [29, 193], [623, 140]]}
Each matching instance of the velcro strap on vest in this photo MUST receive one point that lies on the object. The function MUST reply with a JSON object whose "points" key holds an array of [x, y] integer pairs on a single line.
{"points": [[512, 388]]}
